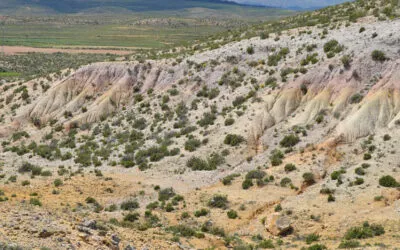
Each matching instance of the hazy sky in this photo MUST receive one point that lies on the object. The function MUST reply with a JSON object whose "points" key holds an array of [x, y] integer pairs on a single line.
{"points": [[291, 3]]}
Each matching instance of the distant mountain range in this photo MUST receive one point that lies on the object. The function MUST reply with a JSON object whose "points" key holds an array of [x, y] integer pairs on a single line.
{"points": [[75, 6], [291, 4]]}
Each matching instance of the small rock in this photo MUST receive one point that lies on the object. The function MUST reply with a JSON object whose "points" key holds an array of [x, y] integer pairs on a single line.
{"points": [[84, 230], [84, 237], [45, 234], [115, 239], [89, 224], [129, 247]]}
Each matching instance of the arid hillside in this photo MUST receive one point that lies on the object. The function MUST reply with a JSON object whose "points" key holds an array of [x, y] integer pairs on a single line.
{"points": [[287, 140]]}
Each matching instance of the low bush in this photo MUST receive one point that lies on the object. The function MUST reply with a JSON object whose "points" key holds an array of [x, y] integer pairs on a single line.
{"points": [[285, 182], [35, 202], [227, 180], [312, 238], [201, 212], [349, 244], [364, 231], [276, 157], [247, 183], [255, 174], [131, 217], [388, 181], [309, 178], [356, 98], [290, 167], [166, 194], [233, 140], [232, 214], [192, 144], [289, 141], [196, 163], [218, 201], [129, 205], [58, 182], [378, 56]]}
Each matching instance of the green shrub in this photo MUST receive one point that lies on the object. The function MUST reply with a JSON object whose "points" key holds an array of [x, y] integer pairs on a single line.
{"points": [[309, 178], [349, 244], [215, 160], [274, 59], [28, 167], [208, 119], [129, 205], [266, 244], [303, 88], [346, 60], [255, 174], [182, 230], [196, 163], [319, 119], [169, 207], [250, 50], [359, 171], [201, 212], [57, 182], [311, 58], [378, 56], [239, 100], [388, 181], [218, 201], [209, 228], [229, 121], [289, 141], [290, 167], [212, 162], [387, 137], [131, 217], [192, 144], [247, 183], [25, 183], [232, 214], [185, 215], [316, 247], [233, 140], [285, 181], [312, 238], [364, 231], [332, 46], [276, 157], [46, 173], [335, 175], [327, 191], [356, 98], [367, 156], [35, 202], [358, 181], [227, 180], [165, 194]]}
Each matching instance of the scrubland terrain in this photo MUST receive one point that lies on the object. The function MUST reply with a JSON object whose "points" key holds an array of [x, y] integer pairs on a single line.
{"points": [[284, 140]]}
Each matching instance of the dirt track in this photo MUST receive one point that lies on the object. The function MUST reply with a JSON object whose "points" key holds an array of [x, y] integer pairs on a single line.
{"points": [[12, 50]]}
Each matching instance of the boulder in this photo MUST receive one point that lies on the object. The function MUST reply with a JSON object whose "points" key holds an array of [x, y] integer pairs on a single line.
{"points": [[279, 225]]}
